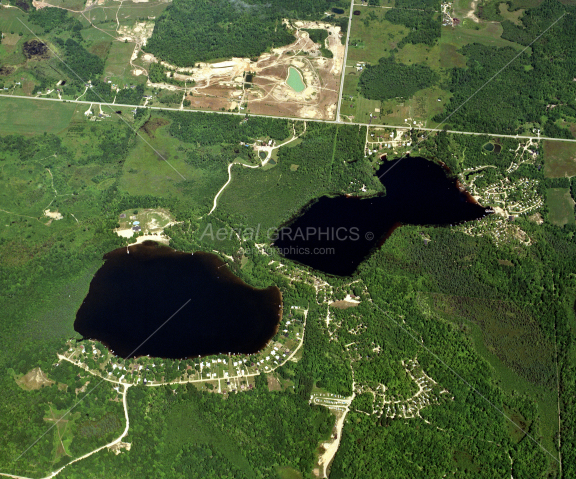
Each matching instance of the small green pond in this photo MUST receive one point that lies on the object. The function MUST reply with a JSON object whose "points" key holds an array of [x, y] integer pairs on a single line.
{"points": [[294, 80], [488, 147]]}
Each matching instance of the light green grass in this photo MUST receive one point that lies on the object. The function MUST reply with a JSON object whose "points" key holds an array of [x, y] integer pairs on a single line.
{"points": [[377, 39], [133, 11], [77, 5], [561, 206], [50, 117], [10, 22], [559, 159], [358, 107], [489, 34], [514, 16], [145, 172], [287, 472], [117, 67], [438, 57]]}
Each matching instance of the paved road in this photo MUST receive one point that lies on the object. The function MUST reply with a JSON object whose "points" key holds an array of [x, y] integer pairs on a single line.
{"points": [[344, 61], [114, 106]]}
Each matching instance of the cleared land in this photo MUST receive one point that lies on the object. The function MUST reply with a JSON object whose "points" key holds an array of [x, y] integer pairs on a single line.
{"points": [[561, 206], [560, 159], [260, 87], [50, 117]]}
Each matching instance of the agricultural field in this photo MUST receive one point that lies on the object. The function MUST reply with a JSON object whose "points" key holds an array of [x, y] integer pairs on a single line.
{"points": [[560, 159], [50, 117], [561, 206]]}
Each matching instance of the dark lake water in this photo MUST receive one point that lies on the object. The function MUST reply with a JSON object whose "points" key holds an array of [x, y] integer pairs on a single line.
{"points": [[134, 293], [335, 235]]}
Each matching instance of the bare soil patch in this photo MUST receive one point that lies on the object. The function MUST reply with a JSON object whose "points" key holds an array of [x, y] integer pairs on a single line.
{"points": [[225, 84], [273, 383], [33, 380], [343, 304]]}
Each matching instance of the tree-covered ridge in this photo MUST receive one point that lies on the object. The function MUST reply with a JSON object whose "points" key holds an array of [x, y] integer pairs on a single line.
{"points": [[200, 30], [389, 79]]}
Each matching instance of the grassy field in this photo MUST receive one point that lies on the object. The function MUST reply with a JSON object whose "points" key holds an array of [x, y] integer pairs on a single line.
{"points": [[50, 117], [117, 67], [354, 106], [374, 39], [438, 57], [77, 5], [488, 34], [10, 22], [145, 172], [560, 159], [561, 206], [514, 16]]}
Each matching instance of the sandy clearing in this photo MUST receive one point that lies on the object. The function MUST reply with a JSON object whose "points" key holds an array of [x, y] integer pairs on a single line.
{"points": [[53, 215], [34, 379], [160, 238], [471, 15]]}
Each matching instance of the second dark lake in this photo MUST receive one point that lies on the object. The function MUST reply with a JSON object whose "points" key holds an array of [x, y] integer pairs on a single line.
{"points": [[335, 235], [138, 289]]}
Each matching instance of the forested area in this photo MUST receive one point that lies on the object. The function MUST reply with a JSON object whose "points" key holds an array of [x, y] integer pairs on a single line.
{"points": [[130, 96], [205, 129], [424, 26], [183, 433], [389, 79], [83, 63], [55, 19], [418, 4], [529, 89], [191, 31]]}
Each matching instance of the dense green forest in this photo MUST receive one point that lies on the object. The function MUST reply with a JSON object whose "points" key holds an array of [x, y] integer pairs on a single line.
{"points": [[389, 79], [83, 63], [195, 434], [51, 19], [192, 31], [424, 26]]}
